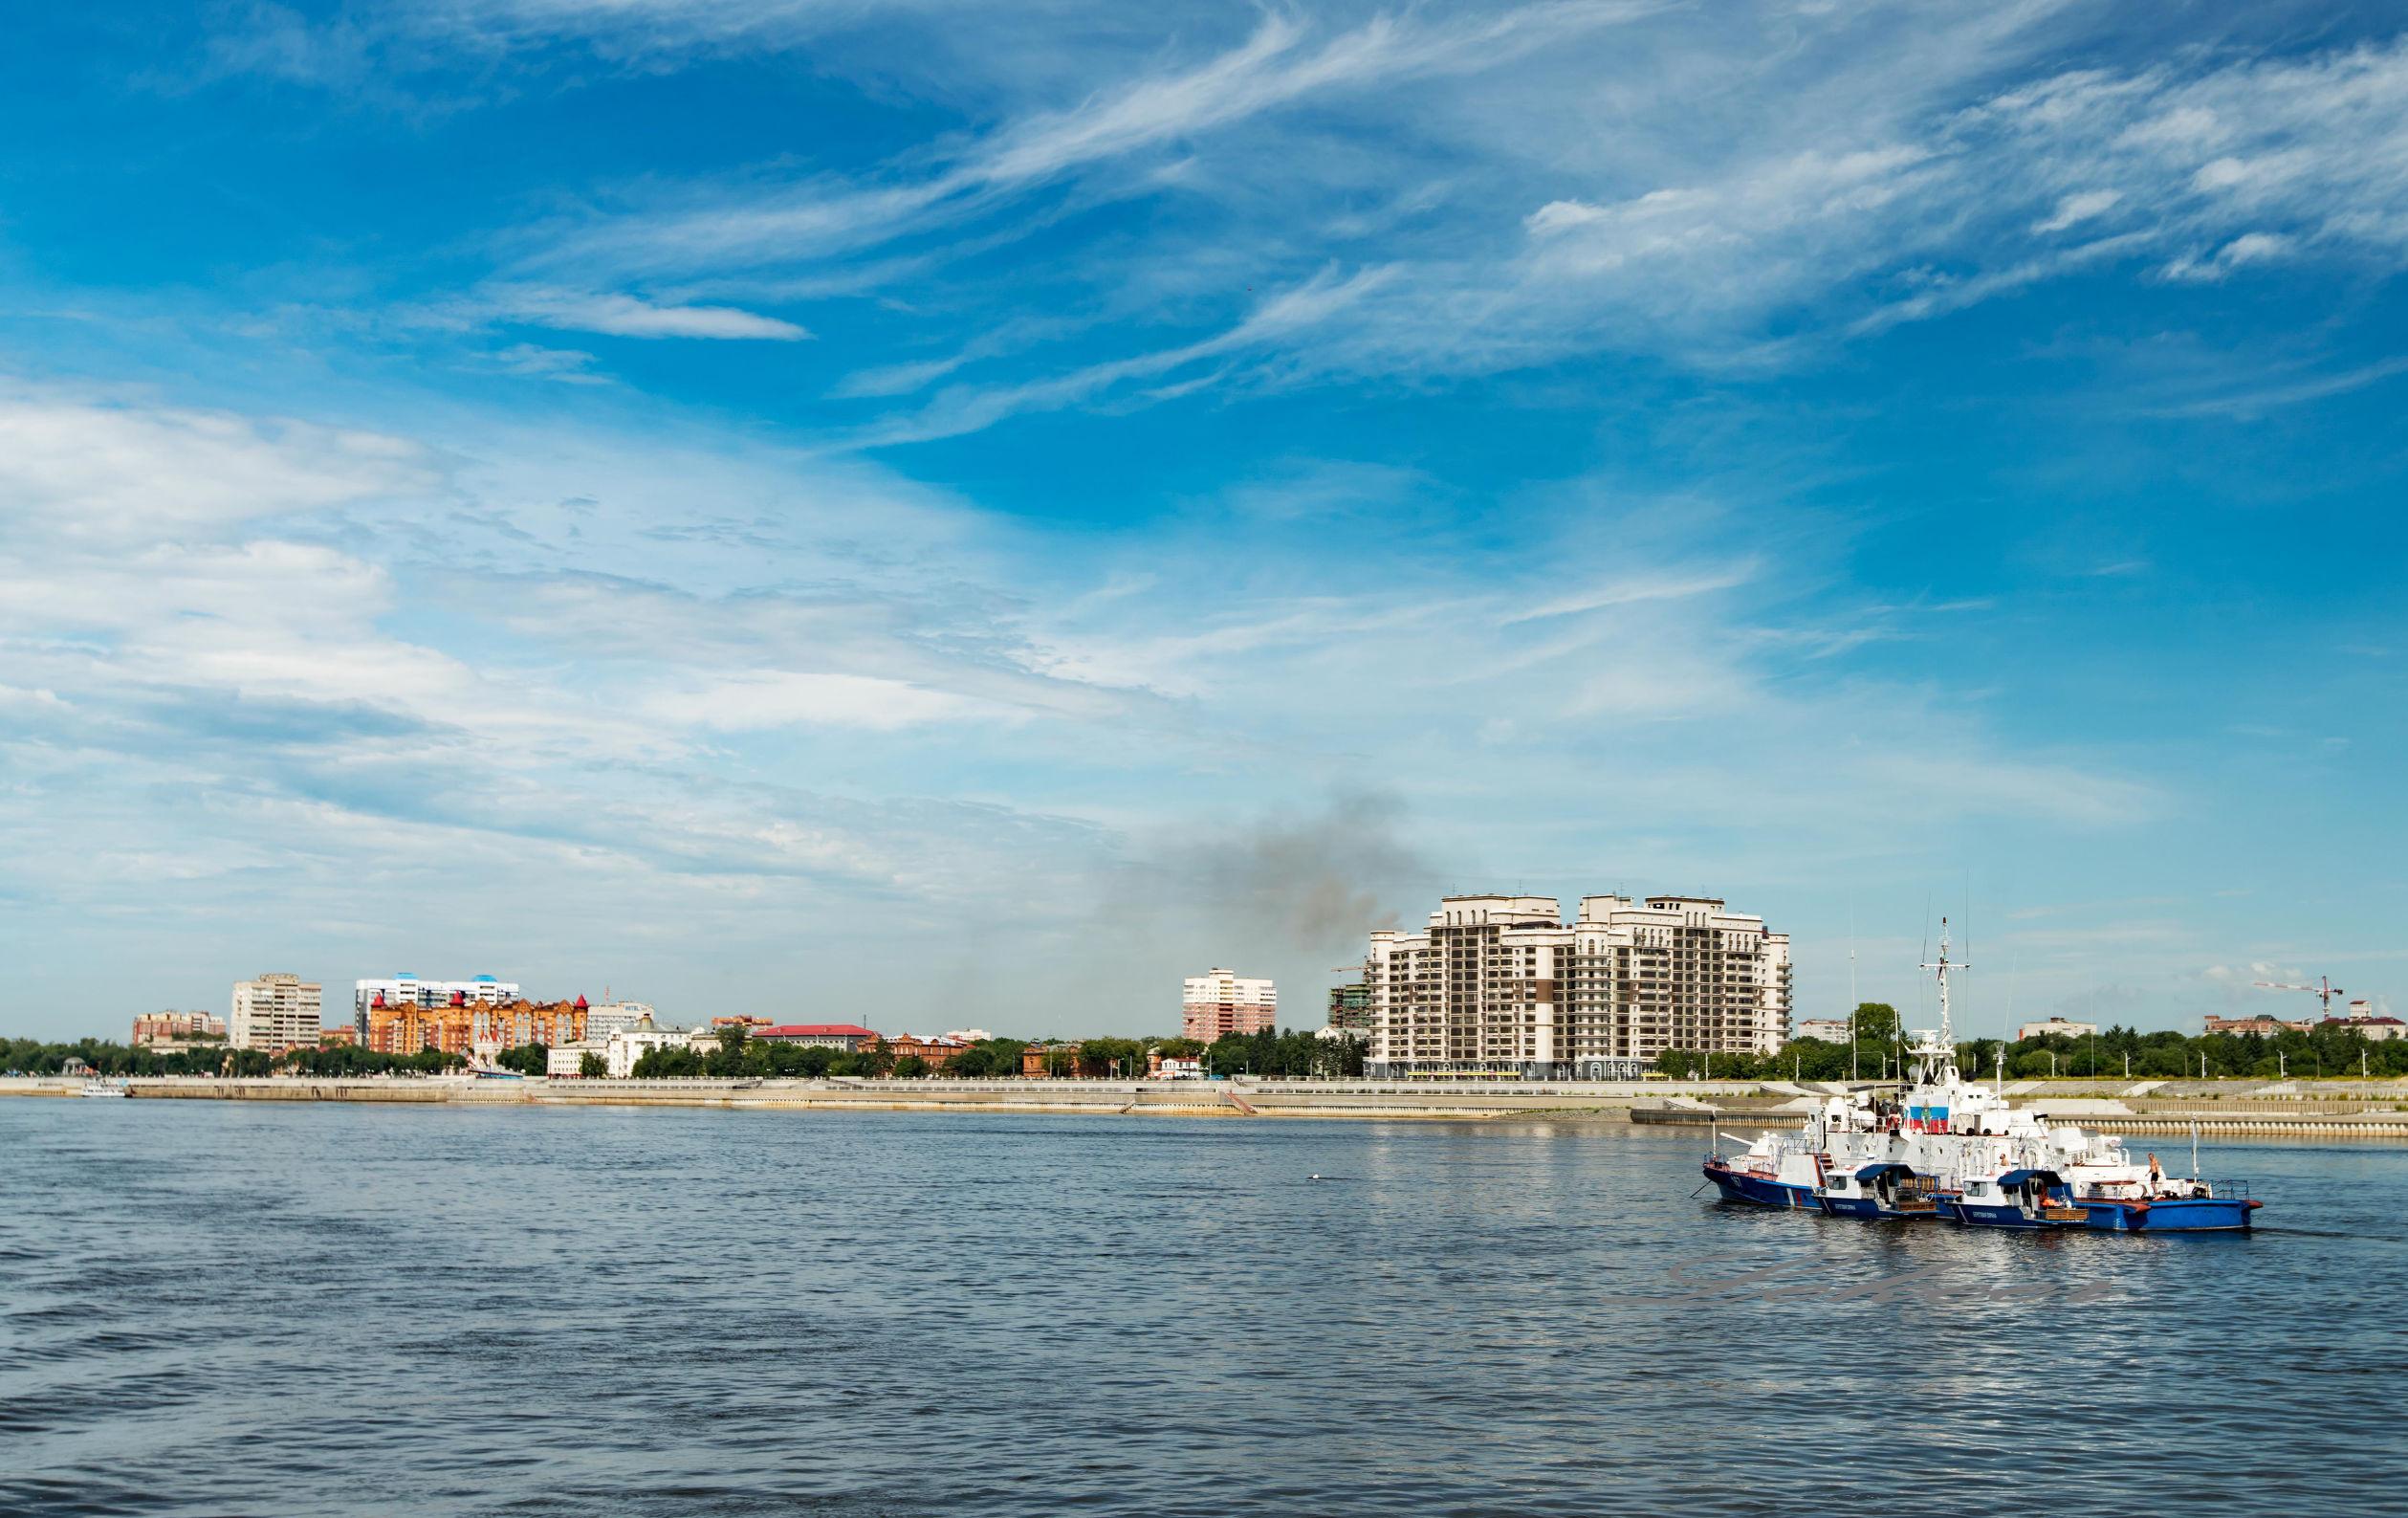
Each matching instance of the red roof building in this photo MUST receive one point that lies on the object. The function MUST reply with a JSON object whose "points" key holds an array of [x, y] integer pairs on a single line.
{"points": [[849, 1036]]}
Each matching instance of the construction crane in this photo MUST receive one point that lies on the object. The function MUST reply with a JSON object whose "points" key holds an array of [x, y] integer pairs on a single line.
{"points": [[2324, 990]]}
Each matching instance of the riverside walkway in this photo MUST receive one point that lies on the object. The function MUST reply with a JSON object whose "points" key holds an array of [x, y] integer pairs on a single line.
{"points": [[2373, 1109]]}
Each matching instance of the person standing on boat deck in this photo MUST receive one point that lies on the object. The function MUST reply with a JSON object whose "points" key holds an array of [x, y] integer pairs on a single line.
{"points": [[2156, 1175]]}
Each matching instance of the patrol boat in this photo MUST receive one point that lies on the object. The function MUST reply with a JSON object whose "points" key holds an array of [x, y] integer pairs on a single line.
{"points": [[1992, 1164], [1948, 1148], [1784, 1170], [2024, 1198]]}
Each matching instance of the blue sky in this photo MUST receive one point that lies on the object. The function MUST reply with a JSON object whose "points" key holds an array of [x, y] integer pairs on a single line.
{"points": [[964, 515]]}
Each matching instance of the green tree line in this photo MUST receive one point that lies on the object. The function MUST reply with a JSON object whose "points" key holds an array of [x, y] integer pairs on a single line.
{"points": [[1288, 1055], [2337, 1051], [33, 1056]]}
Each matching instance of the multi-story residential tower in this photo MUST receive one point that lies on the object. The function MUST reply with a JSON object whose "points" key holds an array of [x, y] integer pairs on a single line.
{"points": [[1220, 1001], [1501, 985], [274, 1012], [405, 990], [463, 1025]]}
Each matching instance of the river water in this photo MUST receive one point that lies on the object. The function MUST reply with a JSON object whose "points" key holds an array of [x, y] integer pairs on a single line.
{"points": [[230, 1308]]}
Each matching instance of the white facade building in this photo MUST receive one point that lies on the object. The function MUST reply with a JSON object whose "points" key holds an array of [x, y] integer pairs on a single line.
{"points": [[610, 1017], [569, 1059], [2059, 1028], [1502, 987], [624, 1047], [408, 990], [274, 1012], [1222, 1002], [1831, 1030]]}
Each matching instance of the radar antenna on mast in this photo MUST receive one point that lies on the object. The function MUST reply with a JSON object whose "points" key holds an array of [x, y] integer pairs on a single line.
{"points": [[1947, 1029]]}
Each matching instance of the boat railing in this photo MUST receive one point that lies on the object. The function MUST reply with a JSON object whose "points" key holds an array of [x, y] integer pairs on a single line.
{"points": [[2172, 1188]]}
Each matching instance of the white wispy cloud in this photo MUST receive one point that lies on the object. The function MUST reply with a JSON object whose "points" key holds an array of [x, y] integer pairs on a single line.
{"points": [[1279, 65], [749, 701], [627, 316], [1531, 184]]}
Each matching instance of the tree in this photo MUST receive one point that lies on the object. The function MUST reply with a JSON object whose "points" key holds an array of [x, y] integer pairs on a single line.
{"points": [[911, 1068], [1876, 1023], [1124, 1057], [527, 1059], [667, 1062], [592, 1066], [1060, 1062]]}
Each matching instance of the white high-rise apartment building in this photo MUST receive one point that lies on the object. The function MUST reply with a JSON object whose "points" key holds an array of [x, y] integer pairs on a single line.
{"points": [[1221, 1001], [274, 1012], [408, 990], [613, 1017], [1502, 986]]}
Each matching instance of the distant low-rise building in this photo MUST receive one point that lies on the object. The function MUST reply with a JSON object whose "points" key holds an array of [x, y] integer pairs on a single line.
{"points": [[1040, 1060], [932, 1049], [1219, 1003], [848, 1037], [1175, 1067], [2057, 1027], [626, 1045], [568, 1060], [274, 1012], [178, 1029], [2363, 1023], [341, 1035], [2261, 1027], [969, 1035], [1831, 1030]]}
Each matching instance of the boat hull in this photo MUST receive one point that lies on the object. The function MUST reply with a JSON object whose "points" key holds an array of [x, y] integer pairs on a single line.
{"points": [[1871, 1210], [2002, 1215], [1759, 1191], [2172, 1215]]}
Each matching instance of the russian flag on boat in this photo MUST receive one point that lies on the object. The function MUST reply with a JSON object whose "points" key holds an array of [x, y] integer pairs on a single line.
{"points": [[1926, 1119]]}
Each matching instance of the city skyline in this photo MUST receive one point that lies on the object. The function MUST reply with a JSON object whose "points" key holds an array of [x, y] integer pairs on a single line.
{"points": [[724, 499]]}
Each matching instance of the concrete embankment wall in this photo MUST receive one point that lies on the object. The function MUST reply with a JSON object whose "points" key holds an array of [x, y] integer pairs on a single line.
{"points": [[2372, 1110], [1190, 1099]]}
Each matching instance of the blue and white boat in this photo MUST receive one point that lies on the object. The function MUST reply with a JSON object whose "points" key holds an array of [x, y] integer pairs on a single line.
{"points": [[2027, 1198], [1950, 1148], [1785, 1170], [1884, 1190], [2177, 1206]]}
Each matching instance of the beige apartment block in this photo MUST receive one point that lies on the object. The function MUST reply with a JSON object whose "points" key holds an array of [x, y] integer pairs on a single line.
{"points": [[274, 1012], [1504, 986]]}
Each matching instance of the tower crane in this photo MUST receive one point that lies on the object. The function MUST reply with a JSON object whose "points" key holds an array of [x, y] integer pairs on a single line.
{"points": [[2323, 990]]}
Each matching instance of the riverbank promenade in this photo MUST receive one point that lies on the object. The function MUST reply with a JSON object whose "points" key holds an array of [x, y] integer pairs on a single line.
{"points": [[2357, 1110]]}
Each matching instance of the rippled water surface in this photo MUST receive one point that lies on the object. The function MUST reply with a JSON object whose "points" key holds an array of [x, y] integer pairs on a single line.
{"points": [[224, 1308]]}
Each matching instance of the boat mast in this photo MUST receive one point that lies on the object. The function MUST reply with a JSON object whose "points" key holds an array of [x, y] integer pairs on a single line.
{"points": [[1852, 993], [1947, 1029]]}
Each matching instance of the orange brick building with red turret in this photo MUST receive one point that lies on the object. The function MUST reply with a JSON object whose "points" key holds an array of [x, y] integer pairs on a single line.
{"points": [[470, 1027]]}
